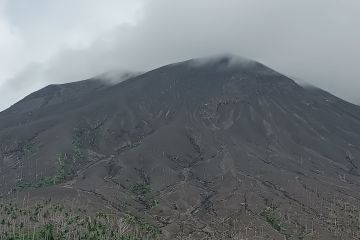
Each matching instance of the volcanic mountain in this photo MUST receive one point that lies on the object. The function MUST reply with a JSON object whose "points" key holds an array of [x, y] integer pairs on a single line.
{"points": [[217, 148]]}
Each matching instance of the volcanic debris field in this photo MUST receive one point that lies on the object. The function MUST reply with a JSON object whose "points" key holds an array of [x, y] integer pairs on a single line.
{"points": [[222, 148]]}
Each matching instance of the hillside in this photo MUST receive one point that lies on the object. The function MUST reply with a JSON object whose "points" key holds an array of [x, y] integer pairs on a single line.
{"points": [[218, 148]]}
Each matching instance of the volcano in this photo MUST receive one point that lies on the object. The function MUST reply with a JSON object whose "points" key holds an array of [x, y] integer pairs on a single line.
{"points": [[215, 148]]}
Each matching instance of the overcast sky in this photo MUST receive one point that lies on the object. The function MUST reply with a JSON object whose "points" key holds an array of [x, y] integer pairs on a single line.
{"points": [[51, 41]]}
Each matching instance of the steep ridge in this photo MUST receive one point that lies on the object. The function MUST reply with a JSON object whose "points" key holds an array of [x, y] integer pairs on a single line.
{"points": [[213, 148]]}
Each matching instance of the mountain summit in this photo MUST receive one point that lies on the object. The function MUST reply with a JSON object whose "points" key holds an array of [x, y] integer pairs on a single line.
{"points": [[215, 148]]}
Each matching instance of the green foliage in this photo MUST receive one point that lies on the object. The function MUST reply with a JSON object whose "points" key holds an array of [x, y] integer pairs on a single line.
{"points": [[143, 194], [273, 218], [59, 177], [60, 174], [45, 181], [145, 227], [46, 232], [77, 153], [47, 221], [28, 147], [23, 185], [140, 189]]}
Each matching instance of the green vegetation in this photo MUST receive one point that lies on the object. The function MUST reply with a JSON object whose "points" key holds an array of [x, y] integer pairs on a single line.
{"points": [[59, 177], [60, 174], [140, 189], [30, 147], [143, 193], [149, 229], [48, 221], [77, 153], [273, 218]]}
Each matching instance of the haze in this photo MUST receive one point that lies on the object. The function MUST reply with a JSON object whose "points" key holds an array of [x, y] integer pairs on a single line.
{"points": [[47, 41]]}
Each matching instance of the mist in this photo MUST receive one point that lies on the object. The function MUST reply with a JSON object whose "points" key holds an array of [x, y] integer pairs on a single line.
{"points": [[310, 41]]}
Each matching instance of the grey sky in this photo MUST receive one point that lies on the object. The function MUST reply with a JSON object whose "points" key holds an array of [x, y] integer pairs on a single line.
{"points": [[50, 41]]}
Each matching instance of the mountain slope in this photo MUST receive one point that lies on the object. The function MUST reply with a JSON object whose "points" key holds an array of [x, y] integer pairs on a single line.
{"points": [[217, 148]]}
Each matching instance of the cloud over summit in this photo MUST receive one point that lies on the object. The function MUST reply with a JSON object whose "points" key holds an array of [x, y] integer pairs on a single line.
{"points": [[44, 42]]}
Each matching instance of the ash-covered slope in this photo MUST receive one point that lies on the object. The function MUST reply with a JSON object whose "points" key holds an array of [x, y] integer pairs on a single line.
{"points": [[217, 148]]}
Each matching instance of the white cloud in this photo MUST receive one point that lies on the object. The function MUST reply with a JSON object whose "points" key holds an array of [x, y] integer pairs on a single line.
{"points": [[10, 46], [36, 36], [68, 40]]}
